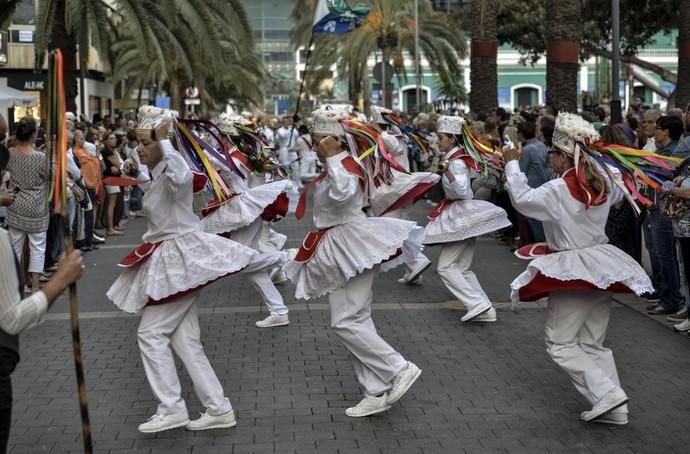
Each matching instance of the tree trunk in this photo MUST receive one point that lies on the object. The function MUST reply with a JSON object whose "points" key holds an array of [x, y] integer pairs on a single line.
{"points": [[683, 86], [61, 39], [386, 96], [562, 54], [483, 70], [176, 94]]}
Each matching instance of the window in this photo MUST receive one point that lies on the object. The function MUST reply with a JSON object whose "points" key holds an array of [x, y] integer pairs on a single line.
{"points": [[25, 13]]}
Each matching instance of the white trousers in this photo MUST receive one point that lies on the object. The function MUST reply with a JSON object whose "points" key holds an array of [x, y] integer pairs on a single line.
{"points": [[175, 326], [454, 269], [376, 363], [249, 236], [576, 325], [37, 248], [403, 213]]}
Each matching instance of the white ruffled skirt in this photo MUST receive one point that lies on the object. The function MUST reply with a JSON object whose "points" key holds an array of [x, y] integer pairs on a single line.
{"points": [[602, 266], [403, 185], [244, 208], [465, 219], [178, 265], [348, 249]]}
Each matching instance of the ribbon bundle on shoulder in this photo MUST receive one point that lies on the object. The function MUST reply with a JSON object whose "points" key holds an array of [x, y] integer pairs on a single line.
{"points": [[417, 139]]}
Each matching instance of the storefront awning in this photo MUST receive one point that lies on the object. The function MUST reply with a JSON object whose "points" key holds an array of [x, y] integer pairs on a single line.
{"points": [[10, 95]]}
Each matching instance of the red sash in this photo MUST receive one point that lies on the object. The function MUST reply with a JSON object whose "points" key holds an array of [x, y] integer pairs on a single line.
{"points": [[122, 181], [349, 164], [276, 210], [580, 189], [242, 158], [139, 255], [442, 206], [467, 159], [309, 245], [214, 204], [199, 181], [313, 240], [411, 197]]}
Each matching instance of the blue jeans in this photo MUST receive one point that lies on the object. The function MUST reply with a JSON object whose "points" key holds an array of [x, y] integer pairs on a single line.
{"points": [[663, 253]]}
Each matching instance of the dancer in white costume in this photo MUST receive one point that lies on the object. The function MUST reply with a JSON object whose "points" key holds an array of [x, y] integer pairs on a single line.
{"points": [[242, 216], [392, 200], [580, 270], [456, 222], [162, 279], [342, 260]]}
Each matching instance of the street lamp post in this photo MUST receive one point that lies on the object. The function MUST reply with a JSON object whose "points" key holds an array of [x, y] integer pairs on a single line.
{"points": [[418, 76], [616, 111]]}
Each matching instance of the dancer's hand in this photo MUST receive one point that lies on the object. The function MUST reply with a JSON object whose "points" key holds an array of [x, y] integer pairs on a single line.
{"points": [[512, 154], [6, 198], [329, 146]]}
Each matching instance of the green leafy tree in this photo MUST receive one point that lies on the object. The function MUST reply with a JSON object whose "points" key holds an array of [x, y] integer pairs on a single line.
{"points": [[389, 27]]}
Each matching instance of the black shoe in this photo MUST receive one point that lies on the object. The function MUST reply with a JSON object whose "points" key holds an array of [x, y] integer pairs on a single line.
{"points": [[653, 297], [652, 307], [661, 311], [85, 248]]}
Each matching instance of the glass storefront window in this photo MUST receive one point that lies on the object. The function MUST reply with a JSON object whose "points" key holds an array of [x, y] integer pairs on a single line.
{"points": [[35, 111]]}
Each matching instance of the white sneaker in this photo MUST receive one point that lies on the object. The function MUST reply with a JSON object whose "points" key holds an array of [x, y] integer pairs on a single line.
{"points": [[402, 382], [416, 273], [618, 419], [273, 320], [207, 421], [368, 406], [159, 423], [98, 239], [487, 317], [418, 281], [278, 276], [612, 400], [476, 311], [683, 327]]}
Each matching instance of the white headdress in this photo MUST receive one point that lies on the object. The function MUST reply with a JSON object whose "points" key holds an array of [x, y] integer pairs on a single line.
{"points": [[226, 123], [449, 125], [570, 129], [376, 112], [326, 121], [149, 117]]}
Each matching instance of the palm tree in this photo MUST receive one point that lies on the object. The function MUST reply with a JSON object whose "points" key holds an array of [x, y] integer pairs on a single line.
{"points": [[483, 71], [389, 28], [683, 86], [222, 63], [564, 30], [181, 40]]}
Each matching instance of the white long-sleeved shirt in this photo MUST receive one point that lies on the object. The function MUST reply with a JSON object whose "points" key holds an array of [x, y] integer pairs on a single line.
{"points": [[169, 197], [568, 225], [338, 198], [396, 146], [16, 314], [461, 188]]}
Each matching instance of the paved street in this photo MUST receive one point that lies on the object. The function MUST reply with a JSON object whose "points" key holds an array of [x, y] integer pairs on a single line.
{"points": [[484, 389]]}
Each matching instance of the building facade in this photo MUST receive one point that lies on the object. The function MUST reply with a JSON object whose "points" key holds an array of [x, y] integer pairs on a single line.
{"points": [[18, 71]]}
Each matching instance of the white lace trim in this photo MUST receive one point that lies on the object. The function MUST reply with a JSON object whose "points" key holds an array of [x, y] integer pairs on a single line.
{"points": [[602, 266], [465, 219], [349, 249]]}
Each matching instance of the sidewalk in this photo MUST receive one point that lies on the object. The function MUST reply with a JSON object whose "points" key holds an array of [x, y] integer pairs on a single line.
{"points": [[485, 388]]}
